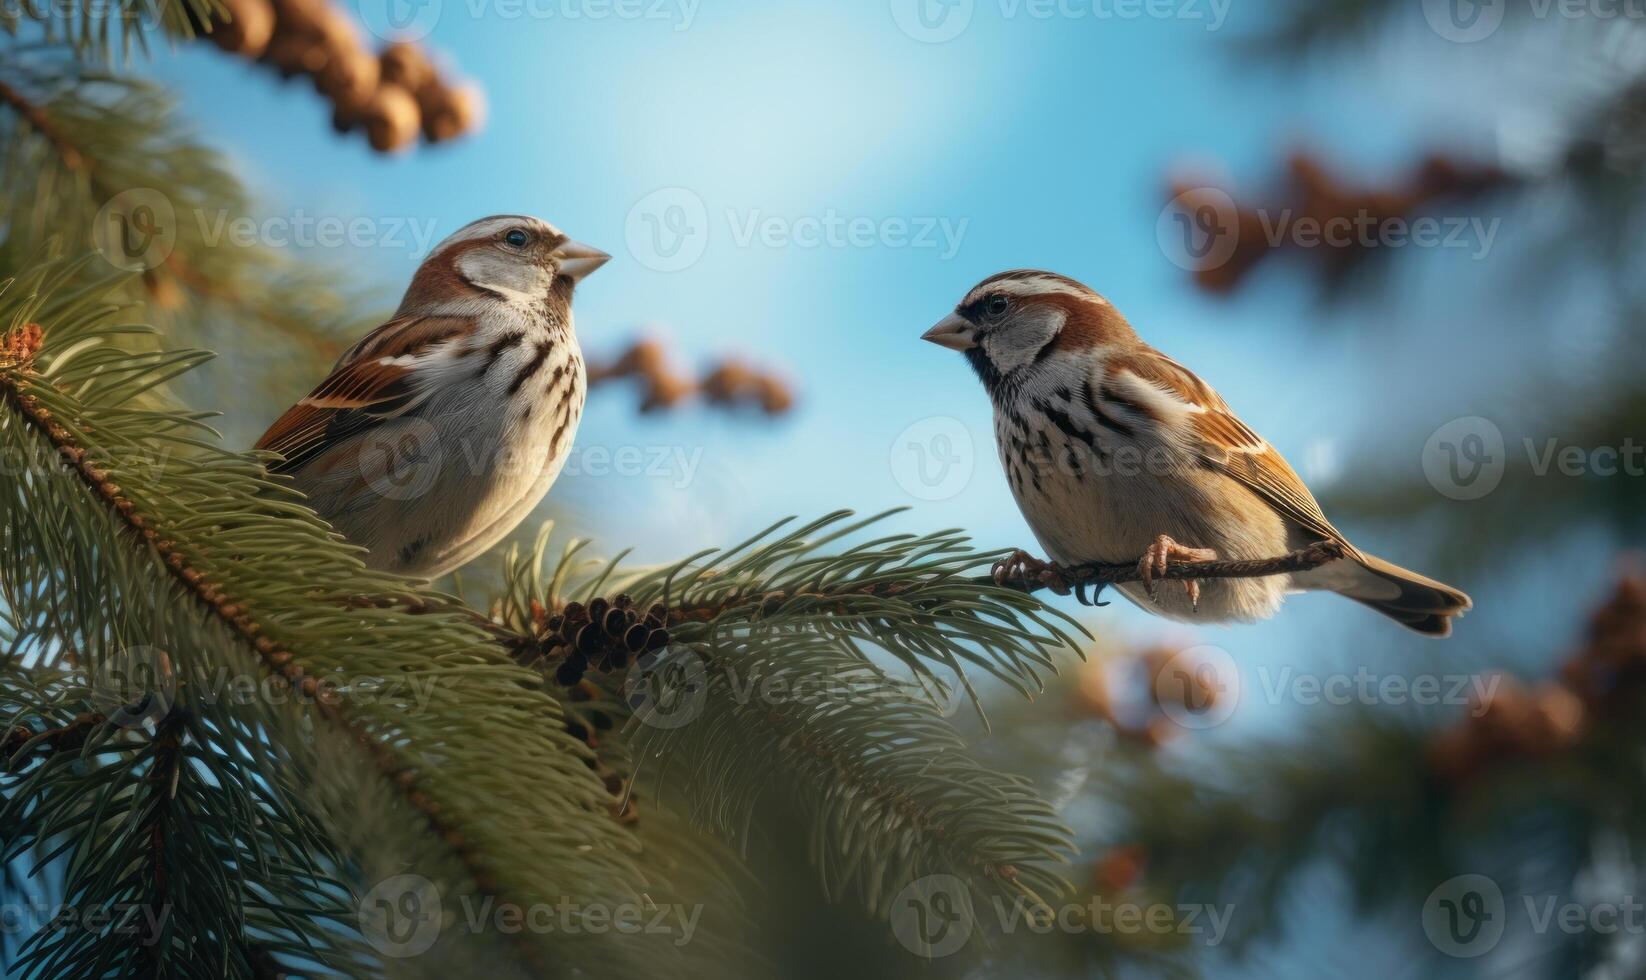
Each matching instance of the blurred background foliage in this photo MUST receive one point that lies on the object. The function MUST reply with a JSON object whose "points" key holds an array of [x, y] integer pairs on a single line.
{"points": [[1333, 840]]}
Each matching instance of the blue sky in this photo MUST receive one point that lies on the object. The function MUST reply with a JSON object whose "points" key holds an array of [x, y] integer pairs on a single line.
{"points": [[1020, 142], [1034, 143]]}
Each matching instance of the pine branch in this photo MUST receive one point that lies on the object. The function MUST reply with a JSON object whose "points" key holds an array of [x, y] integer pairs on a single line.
{"points": [[102, 31], [270, 579], [1103, 574], [894, 795], [75, 141], [278, 658], [36, 118]]}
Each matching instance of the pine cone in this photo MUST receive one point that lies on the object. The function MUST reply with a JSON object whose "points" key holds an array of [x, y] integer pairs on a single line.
{"points": [[391, 119], [299, 17], [244, 28], [349, 77], [405, 65], [448, 111]]}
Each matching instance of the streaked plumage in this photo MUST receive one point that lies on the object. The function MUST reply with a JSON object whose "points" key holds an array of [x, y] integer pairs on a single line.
{"points": [[1109, 444], [439, 431]]}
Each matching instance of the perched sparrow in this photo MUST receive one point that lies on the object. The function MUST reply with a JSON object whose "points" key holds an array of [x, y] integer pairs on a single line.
{"points": [[440, 430], [1114, 450]]}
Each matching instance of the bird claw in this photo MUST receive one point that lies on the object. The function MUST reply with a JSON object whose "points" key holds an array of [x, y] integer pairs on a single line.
{"points": [[1159, 557], [1020, 567], [1096, 598]]}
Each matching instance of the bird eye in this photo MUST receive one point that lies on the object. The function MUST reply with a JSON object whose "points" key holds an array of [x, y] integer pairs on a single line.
{"points": [[995, 304], [517, 238]]}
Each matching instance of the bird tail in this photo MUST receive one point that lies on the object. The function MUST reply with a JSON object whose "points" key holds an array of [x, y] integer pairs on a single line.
{"points": [[1416, 602]]}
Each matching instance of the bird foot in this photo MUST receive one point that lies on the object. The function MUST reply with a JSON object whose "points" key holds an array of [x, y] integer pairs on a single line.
{"points": [[1022, 567], [1161, 554]]}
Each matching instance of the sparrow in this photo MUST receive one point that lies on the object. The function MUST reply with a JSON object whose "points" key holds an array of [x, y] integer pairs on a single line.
{"points": [[437, 433], [1114, 450]]}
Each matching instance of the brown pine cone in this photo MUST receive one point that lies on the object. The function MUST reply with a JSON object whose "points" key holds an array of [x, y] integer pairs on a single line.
{"points": [[727, 382], [299, 18], [775, 396], [406, 66], [244, 28], [349, 77], [294, 54], [665, 392], [391, 119], [448, 111], [571, 669]]}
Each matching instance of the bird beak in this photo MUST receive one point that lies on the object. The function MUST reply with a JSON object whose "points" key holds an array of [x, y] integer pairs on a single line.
{"points": [[577, 260], [954, 332]]}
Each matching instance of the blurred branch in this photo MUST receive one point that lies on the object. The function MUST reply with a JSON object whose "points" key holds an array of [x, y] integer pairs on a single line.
{"points": [[1399, 807], [728, 383], [391, 95], [1336, 224]]}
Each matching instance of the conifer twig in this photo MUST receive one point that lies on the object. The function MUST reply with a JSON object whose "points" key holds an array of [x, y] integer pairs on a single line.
{"points": [[1103, 574], [280, 661]]}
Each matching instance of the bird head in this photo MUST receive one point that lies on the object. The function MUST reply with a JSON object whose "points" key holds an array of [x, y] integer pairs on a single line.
{"points": [[516, 258], [1011, 321]]}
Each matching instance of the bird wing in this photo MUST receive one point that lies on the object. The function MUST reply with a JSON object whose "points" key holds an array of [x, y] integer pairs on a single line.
{"points": [[374, 381], [1222, 441]]}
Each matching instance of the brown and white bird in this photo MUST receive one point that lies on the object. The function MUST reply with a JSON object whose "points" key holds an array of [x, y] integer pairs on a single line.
{"points": [[1114, 450], [439, 431]]}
